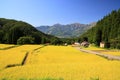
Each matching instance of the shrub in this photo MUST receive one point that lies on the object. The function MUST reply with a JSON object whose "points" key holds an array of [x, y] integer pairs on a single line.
{"points": [[118, 46], [25, 40], [107, 45]]}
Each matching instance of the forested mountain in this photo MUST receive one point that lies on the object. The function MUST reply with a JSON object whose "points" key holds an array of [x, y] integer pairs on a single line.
{"points": [[66, 31], [107, 30], [12, 30]]}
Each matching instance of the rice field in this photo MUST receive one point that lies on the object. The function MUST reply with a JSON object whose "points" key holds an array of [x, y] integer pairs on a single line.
{"points": [[5, 45], [105, 51], [14, 56], [56, 63], [116, 53]]}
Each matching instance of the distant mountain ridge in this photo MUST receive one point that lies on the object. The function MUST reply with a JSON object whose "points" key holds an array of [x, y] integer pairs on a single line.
{"points": [[66, 31]]}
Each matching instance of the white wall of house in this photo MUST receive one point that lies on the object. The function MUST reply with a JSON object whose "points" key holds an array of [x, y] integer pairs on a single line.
{"points": [[102, 45]]}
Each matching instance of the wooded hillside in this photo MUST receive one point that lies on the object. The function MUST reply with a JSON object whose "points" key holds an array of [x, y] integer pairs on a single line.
{"points": [[107, 30], [12, 30]]}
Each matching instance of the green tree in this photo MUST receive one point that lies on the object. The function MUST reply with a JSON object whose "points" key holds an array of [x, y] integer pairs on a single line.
{"points": [[25, 40], [14, 34], [98, 37], [1, 36], [37, 36], [56, 41]]}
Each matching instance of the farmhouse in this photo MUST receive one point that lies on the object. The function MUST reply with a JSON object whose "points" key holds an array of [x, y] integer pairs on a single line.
{"points": [[77, 43], [85, 44], [65, 44], [102, 44]]}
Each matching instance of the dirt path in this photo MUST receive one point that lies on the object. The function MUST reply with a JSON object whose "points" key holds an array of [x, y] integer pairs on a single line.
{"points": [[108, 56]]}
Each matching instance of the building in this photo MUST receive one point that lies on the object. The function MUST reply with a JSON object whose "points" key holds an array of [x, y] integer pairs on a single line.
{"points": [[77, 43], [102, 44], [85, 44]]}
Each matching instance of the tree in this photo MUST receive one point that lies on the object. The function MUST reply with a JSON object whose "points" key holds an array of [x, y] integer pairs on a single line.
{"points": [[37, 36], [25, 40], [43, 40], [1, 36], [98, 37], [14, 35], [85, 39], [56, 41]]}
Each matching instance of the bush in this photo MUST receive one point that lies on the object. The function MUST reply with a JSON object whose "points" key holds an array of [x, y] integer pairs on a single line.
{"points": [[56, 42], [115, 43], [107, 45], [118, 46], [25, 40]]}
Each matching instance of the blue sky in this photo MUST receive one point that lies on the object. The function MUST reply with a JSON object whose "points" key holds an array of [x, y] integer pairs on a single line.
{"points": [[49, 12]]}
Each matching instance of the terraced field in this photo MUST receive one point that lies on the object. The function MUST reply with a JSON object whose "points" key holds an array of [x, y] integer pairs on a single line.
{"points": [[56, 63]]}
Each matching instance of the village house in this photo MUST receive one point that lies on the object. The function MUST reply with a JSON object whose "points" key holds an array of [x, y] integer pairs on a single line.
{"points": [[85, 44], [102, 44], [77, 43]]}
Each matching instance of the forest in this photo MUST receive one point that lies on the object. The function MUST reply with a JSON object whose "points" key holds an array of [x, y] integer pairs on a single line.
{"points": [[106, 30]]}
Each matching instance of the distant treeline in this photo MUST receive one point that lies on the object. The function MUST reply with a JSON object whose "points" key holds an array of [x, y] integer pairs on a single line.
{"points": [[106, 30]]}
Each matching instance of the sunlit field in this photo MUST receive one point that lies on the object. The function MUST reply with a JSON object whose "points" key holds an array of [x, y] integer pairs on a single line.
{"points": [[14, 55], [2, 46], [56, 63], [116, 53], [102, 50]]}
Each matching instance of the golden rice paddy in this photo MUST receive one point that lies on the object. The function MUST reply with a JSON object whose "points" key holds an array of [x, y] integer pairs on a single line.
{"points": [[2, 46], [56, 63], [105, 51], [116, 53]]}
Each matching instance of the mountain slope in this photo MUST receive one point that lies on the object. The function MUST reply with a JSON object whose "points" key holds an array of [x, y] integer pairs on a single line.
{"points": [[12, 30], [107, 30], [66, 31]]}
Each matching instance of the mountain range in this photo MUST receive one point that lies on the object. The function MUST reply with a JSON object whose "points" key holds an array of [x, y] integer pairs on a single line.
{"points": [[66, 31]]}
